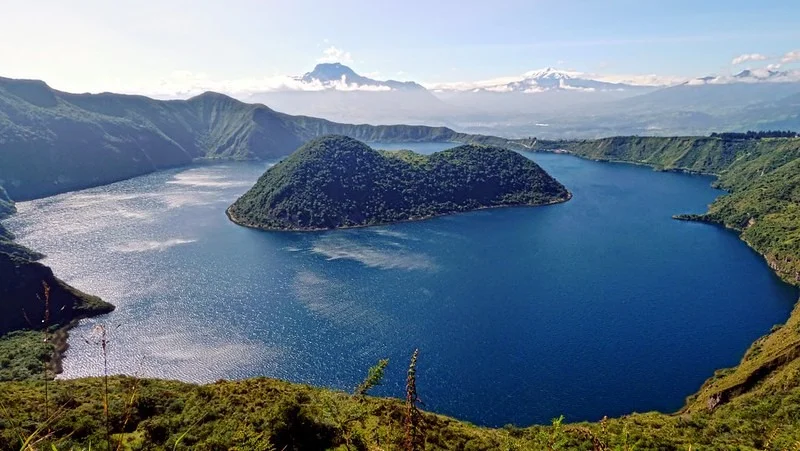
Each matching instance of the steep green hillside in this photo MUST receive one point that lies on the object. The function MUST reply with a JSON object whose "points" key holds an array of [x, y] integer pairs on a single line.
{"points": [[698, 154], [52, 141], [336, 181]]}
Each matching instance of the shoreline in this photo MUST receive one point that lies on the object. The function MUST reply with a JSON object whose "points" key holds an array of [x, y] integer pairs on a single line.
{"points": [[236, 220], [634, 163], [232, 218]]}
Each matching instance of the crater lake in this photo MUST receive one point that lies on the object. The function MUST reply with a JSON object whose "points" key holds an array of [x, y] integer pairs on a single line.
{"points": [[603, 305]]}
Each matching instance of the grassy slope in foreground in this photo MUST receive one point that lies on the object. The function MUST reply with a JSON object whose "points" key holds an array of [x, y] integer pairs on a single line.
{"points": [[254, 413], [336, 181]]}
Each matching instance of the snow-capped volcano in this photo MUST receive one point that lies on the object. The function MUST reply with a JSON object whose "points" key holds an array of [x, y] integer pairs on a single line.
{"points": [[552, 79], [336, 92], [339, 76]]}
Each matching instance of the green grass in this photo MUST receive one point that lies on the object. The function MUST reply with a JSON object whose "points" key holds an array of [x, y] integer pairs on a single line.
{"points": [[22, 355], [157, 414]]}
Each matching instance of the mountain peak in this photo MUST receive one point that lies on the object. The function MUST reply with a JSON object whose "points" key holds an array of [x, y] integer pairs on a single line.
{"points": [[329, 74], [36, 92], [551, 73], [213, 95]]}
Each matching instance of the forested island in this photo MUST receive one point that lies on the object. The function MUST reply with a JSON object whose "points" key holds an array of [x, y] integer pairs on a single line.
{"points": [[336, 181]]}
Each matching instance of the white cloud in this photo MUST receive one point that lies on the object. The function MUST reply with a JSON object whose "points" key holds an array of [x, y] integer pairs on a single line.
{"points": [[183, 84], [791, 57], [642, 80], [775, 66], [760, 75], [335, 55], [563, 85], [493, 83], [748, 57], [343, 85]]}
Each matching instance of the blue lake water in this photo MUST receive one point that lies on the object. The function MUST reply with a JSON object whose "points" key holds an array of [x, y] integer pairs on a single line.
{"points": [[603, 305]]}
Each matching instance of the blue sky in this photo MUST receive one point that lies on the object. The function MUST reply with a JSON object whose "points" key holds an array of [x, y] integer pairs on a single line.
{"points": [[95, 45]]}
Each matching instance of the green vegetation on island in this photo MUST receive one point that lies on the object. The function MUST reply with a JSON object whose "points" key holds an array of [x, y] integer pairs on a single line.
{"points": [[336, 181]]}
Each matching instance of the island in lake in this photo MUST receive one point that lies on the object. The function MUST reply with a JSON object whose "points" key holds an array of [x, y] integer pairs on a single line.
{"points": [[337, 182]]}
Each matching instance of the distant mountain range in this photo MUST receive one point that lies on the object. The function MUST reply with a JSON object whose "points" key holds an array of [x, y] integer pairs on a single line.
{"points": [[750, 76], [550, 79], [53, 141], [550, 103]]}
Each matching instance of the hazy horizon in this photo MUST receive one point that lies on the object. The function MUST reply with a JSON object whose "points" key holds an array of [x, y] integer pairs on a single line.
{"points": [[173, 49]]}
